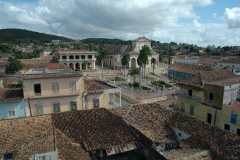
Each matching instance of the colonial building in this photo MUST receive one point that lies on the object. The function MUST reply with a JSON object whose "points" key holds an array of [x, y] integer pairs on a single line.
{"points": [[116, 52], [212, 96], [78, 59], [52, 91]]}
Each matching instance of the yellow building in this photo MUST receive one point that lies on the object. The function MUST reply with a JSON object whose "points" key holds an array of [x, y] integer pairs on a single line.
{"points": [[52, 91], [59, 90], [212, 96]]}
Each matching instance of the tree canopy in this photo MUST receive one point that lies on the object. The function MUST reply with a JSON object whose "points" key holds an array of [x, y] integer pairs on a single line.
{"points": [[13, 66]]}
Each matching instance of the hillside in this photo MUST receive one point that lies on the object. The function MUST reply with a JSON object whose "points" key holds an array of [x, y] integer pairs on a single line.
{"points": [[16, 36], [98, 41]]}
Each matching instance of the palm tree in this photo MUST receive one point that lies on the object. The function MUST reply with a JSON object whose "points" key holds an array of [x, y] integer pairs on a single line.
{"points": [[145, 52], [153, 62], [103, 54], [85, 63], [133, 72], [140, 63], [125, 62]]}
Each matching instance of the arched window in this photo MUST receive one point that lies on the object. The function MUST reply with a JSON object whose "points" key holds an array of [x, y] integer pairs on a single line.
{"points": [[182, 107]]}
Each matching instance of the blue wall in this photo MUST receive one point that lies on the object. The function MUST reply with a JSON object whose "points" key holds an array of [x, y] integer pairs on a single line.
{"points": [[20, 109]]}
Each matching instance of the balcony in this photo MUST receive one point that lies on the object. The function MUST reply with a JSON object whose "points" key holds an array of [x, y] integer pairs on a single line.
{"points": [[50, 94], [183, 95], [210, 101]]}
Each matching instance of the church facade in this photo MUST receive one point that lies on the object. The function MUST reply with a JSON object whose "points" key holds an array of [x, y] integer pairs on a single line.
{"points": [[116, 52]]}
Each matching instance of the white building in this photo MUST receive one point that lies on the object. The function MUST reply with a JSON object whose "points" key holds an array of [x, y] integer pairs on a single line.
{"points": [[187, 61], [232, 63], [78, 59], [116, 52]]}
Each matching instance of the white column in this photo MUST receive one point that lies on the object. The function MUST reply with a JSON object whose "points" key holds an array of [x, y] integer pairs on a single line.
{"points": [[94, 65], [120, 100], [113, 98]]}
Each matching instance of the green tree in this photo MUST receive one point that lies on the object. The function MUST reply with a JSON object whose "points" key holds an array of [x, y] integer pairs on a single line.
{"points": [[13, 66], [125, 62], [160, 56], [133, 72], [153, 62], [103, 54], [85, 63]]}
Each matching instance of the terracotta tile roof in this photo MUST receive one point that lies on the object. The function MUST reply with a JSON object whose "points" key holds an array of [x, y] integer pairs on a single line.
{"points": [[208, 60], [112, 50], [43, 144], [69, 150], [17, 133], [93, 85], [11, 95], [221, 142], [215, 77], [189, 68], [96, 128], [34, 61]]}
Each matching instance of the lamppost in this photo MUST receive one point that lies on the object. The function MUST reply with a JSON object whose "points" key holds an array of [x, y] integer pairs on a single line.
{"points": [[132, 92]]}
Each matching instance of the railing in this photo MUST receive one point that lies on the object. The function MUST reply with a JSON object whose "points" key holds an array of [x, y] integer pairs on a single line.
{"points": [[188, 97], [51, 93], [76, 60], [210, 101]]}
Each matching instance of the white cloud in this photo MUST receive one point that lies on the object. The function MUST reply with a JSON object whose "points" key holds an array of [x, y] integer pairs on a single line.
{"points": [[125, 19], [232, 17]]}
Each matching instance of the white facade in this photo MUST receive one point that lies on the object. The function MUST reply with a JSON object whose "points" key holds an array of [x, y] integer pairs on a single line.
{"points": [[187, 61], [137, 44], [77, 59], [225, 64]]}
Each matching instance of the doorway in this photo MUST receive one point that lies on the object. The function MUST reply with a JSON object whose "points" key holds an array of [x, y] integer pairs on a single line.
{"points": [[209, 118]]}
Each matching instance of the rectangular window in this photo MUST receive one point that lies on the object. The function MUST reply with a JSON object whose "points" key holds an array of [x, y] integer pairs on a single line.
{"points": [[233, 118], [55, 88], [89, 56], [210, 98], [56, 107], [71, 57], [238, 131], [39, 109], [73, 105], [37, 89], [226, 127], [82, 56], [191, 110], [95, 102], [8, 156], [64, 57], [189, 92], [72, 87]]}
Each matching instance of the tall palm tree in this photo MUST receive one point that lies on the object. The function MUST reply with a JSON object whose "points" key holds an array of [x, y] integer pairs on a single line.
{"points": [[153, 62], [125, 62], [140, 60], [103, 54], [133, 72], [85, 63], [146, 52]]}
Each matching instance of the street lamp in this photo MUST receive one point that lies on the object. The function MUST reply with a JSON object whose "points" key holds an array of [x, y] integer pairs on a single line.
{"points": [[132, 92]]}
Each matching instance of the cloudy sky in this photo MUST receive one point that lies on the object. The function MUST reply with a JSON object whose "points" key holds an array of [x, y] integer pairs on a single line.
{"points": [[201, 22]]}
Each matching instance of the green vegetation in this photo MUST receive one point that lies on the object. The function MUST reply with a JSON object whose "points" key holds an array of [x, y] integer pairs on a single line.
{"points": [[119, 79], [21, 55], [133, 72], [17, 36], [136, 85], [227, 67], [161, 83], [13, 66], [99, 41], [5, 48], [103, 54], [125, 61]]}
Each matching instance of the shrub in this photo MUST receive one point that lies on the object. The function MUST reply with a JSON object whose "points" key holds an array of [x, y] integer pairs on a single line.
{"points": [[136, 84]]}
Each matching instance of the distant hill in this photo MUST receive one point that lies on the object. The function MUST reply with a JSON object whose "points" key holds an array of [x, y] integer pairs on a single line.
{"points": [[99, 41], [16, 36]]}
